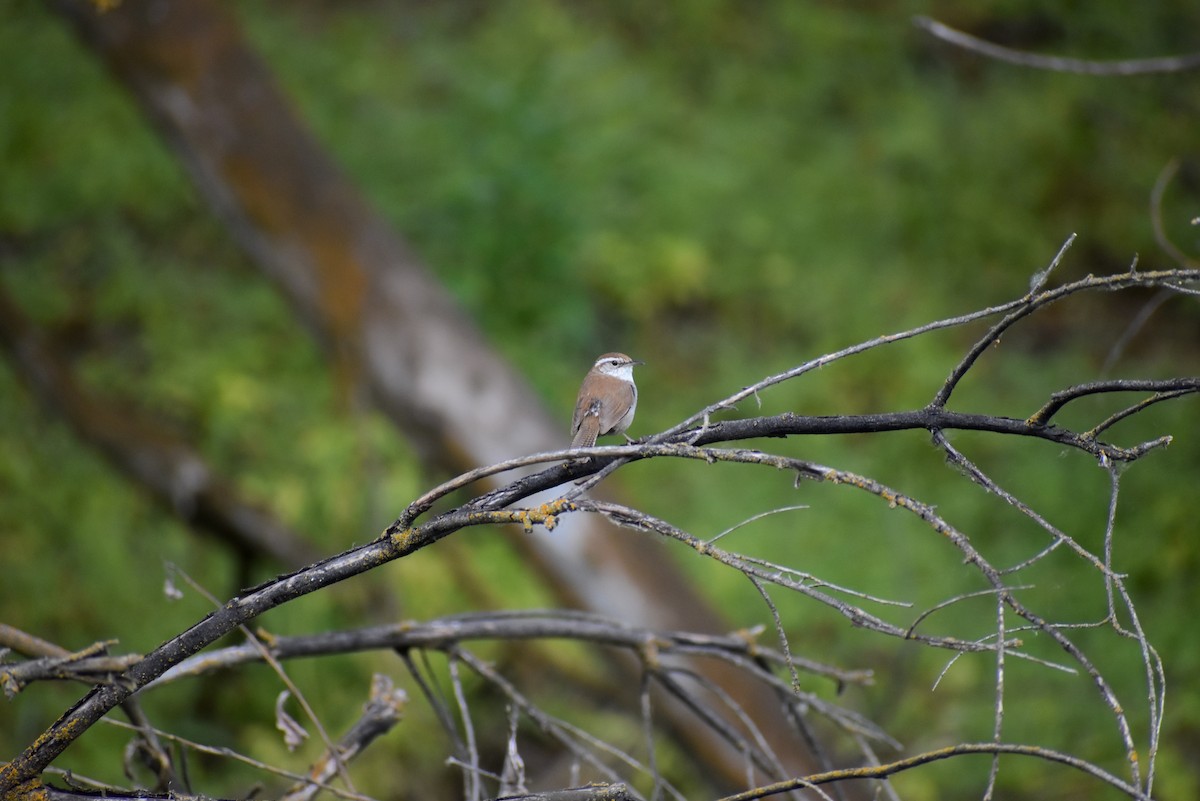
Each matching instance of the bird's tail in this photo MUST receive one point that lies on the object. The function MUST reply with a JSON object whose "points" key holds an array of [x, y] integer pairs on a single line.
{"points": [[589, 429]]}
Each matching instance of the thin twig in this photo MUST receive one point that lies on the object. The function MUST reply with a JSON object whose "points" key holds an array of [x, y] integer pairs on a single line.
{"points": [[229, 753], [1100, 69], [1165, 176], [496, 508], [255, 641], [917, 760], [1175, 386], [472, 788]]}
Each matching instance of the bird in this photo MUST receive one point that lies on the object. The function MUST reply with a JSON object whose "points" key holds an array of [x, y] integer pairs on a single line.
{"points": [[607, 400]]}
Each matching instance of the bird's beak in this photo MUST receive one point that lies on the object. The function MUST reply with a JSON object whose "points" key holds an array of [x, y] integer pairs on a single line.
{"points": [[638, 361]]}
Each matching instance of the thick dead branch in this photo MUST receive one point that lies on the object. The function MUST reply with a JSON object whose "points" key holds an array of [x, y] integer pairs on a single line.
{"points": [[1001, 640]]}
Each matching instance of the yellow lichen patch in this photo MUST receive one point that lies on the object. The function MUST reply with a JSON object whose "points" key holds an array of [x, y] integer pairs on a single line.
{"points": [[650, 653], [401, 538], [32, 790], [750, 637], [548, 513]]}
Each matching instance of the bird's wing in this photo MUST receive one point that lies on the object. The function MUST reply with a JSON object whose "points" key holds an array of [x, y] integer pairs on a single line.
{"points": [[585, 423], [615, 411]]}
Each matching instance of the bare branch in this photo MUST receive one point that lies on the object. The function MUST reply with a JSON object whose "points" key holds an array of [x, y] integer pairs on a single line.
{"points": [[1168, 173], [1019, 309], [901, 765], [472, 789], [1176, 387], [1102, 69], [223, 753], [659, 653], [381, 712], [593, 792]]}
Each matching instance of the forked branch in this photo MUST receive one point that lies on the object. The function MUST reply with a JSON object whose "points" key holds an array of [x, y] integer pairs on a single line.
{"points": [[420, 526]]}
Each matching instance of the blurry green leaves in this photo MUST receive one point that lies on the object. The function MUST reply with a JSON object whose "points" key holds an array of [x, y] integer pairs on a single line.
{"points": [[69, 143], [723, 189], [577, 173], [641, 278]]}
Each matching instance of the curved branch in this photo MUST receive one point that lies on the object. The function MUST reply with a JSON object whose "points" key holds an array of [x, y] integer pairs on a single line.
{"points": [[397, 542], [1165, 176], [1023, 307], [524, 625], [901, 765], [1015, 309], [403, 538], [1172, 387], [1104, 69]]}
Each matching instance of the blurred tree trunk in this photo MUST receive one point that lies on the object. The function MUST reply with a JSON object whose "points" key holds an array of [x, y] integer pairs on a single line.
{"points": [[148, 452], [388, 325]]}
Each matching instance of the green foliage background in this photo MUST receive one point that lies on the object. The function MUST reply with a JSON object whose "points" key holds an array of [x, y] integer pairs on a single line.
{"points": [[722, 189]]}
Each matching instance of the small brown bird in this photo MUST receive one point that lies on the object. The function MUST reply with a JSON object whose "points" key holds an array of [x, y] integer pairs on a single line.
{"points": [[607, 400]]}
